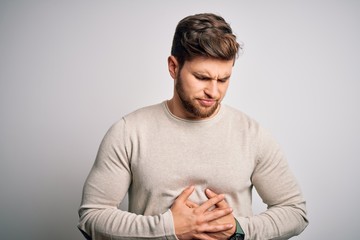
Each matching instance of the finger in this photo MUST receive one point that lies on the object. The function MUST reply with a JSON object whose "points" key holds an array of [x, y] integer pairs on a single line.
{"points": [[215, 214], [203, 236], [211, 202], [215, 228], [191, 204], [185, 194], [211, 194]]}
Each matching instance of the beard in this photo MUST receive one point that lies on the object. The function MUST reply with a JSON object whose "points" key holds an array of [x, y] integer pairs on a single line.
{"points": [[192, 106]]}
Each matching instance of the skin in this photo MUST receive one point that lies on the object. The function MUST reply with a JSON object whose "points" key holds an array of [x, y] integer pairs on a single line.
{"points": [[225, 219], [192, 221], [199, 87]]}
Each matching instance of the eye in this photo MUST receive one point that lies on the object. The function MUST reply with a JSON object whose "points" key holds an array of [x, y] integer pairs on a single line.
{"points": [[202, 78], [223, 80]]}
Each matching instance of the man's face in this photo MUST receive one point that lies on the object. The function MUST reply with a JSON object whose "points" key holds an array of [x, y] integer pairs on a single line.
{"points": [[200, 86]]}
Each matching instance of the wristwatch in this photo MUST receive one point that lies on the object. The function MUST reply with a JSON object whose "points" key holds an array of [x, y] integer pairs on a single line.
{"points": [[239, 234]]}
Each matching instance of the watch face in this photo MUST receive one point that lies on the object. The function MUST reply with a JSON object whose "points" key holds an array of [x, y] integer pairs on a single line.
{"points": [[239, 236]]}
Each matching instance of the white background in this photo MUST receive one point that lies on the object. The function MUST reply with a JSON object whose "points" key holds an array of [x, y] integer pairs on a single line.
{"points": [[69, 69]]}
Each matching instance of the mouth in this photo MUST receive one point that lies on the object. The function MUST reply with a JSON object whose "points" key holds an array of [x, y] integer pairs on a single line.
{"points": [[207, 102]]}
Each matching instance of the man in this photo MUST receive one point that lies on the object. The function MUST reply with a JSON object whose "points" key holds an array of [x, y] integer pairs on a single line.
{"points": [[189, 164]]}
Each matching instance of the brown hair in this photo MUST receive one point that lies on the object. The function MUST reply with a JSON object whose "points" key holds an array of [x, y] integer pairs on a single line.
{"points": [[204, 34]]}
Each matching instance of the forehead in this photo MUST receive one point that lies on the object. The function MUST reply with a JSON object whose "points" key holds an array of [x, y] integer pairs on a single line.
{"points": [[209, 66]]}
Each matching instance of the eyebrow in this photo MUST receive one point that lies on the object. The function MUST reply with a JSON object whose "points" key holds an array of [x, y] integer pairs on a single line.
{"points": [[207, 76]]}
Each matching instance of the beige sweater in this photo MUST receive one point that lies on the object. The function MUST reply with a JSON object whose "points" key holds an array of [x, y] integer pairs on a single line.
{"points": [[153, 155]]}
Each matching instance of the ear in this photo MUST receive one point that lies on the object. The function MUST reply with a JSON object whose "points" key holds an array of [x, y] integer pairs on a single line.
{"points": [[173, 67]]}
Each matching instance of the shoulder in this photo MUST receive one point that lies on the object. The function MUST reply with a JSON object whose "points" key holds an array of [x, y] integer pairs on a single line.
{"points": [[240, 119], [262, 139], [140, 119], [249, 127], [145, 113]]}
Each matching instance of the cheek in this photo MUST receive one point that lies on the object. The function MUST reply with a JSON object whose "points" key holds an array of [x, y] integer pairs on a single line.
{"points": [[223, 89], [193, 86]]}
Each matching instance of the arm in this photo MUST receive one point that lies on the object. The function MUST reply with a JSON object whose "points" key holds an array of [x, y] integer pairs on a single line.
{"points": [[273, 180], [105, 188]]}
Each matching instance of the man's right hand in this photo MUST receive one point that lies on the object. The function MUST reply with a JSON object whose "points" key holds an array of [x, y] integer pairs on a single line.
{"points": [[193, 222]]}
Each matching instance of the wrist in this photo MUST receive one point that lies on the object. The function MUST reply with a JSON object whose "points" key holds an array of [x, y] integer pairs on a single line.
{"points": [[239, 233]]}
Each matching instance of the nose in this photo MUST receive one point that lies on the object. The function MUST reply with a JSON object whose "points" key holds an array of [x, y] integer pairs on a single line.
{"points": [[211, 89]]}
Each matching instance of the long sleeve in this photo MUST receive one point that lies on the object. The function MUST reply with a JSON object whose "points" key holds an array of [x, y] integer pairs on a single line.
{"points": [[105, 188], [273, 180], [153, 156]]}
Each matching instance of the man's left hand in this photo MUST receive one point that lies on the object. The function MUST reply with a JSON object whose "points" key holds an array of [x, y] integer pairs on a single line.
{"points": [[226, 219]]}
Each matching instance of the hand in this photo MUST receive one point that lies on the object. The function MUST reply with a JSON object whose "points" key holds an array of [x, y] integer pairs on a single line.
{"points": [[225, 219], [197, 222]]}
